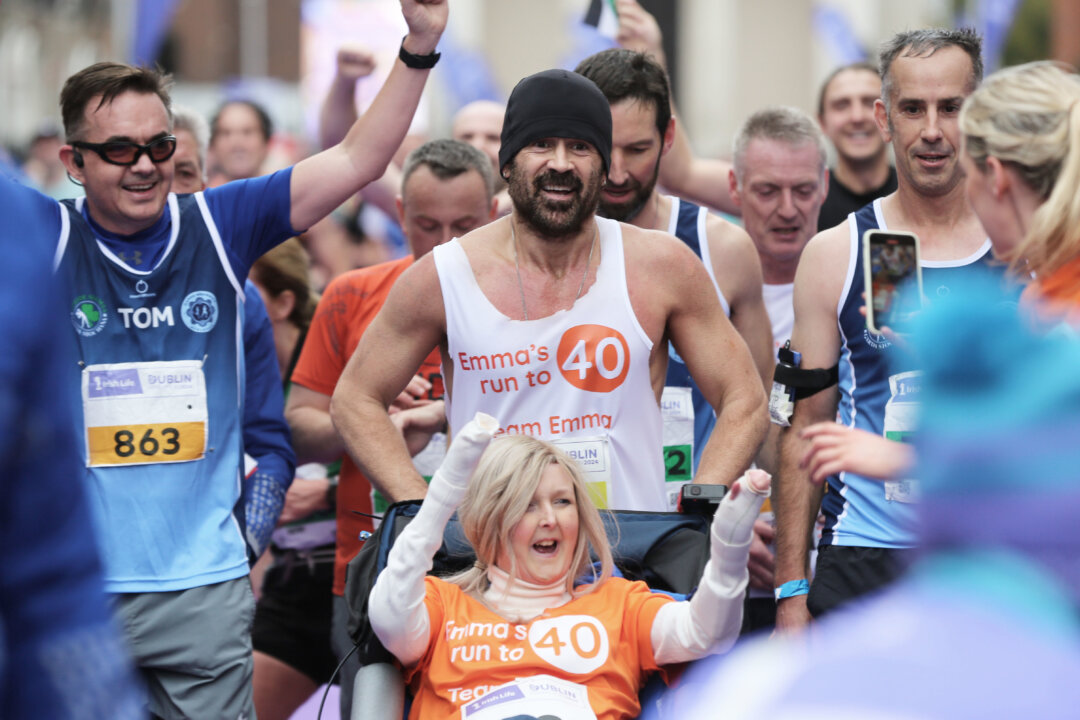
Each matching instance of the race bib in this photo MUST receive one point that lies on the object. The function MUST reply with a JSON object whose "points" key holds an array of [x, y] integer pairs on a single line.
{"points": [[593, 455], [539, 696], [144, 412], [901, 413], [677, 410]]}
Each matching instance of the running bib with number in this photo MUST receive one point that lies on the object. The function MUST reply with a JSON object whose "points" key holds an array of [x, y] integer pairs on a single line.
{"points": [[538, 696], [144, 412], [593, 455], [677, 410], [901, 416]]}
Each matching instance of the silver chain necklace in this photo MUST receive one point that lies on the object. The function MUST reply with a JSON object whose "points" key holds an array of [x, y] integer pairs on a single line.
{"points": [[517, 266]]}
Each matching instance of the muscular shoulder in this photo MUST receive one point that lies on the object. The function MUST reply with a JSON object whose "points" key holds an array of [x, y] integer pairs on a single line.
{"points": [[417, 278], [661, 270], [655, 250], [483, 248], [826, 257], [735, 262], [819, 284]]}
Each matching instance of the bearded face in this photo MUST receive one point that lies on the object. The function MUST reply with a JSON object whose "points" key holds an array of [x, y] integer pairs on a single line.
{"points": [[555, 204]]}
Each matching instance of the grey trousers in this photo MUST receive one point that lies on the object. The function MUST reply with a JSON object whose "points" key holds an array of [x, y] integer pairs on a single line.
{"points": [[194, 648]]}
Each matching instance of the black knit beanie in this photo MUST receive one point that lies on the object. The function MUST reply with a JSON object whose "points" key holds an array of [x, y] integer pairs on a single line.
{"points": [[556, 103]]}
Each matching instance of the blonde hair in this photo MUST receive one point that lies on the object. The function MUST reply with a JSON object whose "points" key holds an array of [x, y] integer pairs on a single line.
{"points": [[499, 493], [286, 267], [1026, 117]]}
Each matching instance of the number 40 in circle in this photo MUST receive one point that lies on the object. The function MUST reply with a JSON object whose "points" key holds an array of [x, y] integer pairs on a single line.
{"points": [[593, 357], [574, 643]]}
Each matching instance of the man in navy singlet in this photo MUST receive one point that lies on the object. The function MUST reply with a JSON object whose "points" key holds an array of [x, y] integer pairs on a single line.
{"points": [[642, 132], [869, 526], [155, 302]]}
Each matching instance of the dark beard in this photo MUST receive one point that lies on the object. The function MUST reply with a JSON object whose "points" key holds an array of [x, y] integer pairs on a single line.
{"points": [[627, 211], [554, 219]]}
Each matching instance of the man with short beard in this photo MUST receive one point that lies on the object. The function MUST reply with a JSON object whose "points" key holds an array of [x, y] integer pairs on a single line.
{"points": [[642, 132], [555, 321]]}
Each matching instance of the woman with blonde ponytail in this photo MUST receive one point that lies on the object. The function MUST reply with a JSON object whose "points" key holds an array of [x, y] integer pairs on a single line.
{"points": [[1022, 158]]}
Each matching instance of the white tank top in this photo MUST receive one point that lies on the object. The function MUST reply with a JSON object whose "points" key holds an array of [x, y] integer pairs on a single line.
{"points": [[578, 378]]}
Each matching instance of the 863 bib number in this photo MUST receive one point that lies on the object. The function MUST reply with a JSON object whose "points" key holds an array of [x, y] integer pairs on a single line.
{"points": [[145, 413], [119, 445]]}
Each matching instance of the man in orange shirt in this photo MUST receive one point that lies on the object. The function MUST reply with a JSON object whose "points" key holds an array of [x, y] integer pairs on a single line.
{"points": [[446, 191]]}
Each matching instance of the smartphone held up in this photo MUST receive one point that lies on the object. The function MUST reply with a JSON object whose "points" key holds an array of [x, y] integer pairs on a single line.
{"points": [[893, 280]]}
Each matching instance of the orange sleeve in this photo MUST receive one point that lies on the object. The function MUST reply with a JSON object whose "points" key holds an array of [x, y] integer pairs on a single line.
{"points": [[433, 601], [324, 355], [641, 608]]}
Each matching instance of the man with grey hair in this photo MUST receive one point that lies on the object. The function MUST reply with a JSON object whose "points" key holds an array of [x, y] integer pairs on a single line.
{"points": [[446, 191], [192, 140], [926, 75], [778, 182]]}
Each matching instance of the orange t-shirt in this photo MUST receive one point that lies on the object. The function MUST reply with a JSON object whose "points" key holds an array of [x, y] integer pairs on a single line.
{"points": [[346, 309], [1056, 298], [601, 641]]}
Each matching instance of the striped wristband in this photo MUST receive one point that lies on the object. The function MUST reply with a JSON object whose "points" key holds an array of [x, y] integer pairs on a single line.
{"points": [[792, 588]]}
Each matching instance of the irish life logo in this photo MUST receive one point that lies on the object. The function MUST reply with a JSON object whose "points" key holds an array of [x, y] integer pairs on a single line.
{"points": [[88, 315]]}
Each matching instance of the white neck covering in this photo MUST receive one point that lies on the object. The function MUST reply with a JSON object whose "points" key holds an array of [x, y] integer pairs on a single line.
{"points": [[522, 600]]}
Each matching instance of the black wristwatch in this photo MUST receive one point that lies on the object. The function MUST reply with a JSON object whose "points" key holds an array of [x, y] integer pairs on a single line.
{"points": [[417, 62]]}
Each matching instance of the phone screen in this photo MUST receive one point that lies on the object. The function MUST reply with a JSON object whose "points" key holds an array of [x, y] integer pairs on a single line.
{"points": [[893, 279]]}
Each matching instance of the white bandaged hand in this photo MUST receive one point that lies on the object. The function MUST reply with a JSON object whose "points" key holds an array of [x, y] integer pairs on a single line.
{"points": [[396, 606], [709, 622]]}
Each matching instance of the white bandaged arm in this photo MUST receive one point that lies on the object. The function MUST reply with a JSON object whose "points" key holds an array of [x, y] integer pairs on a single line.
{"points": [[396, 607], [710, 621]]}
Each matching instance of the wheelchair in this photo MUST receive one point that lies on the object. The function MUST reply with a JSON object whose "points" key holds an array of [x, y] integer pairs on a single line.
{"points": [[666, 550]]}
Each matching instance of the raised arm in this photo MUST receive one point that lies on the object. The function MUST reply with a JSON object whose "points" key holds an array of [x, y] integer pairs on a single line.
{"points": [[338, 113], [411, 323], [396, 606], [796, 502], [322, 182], [681, 171], [710, 621], [695, 178]]}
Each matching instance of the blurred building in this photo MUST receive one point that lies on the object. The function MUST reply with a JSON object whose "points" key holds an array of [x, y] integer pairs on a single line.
{"points": [[728, 57]]}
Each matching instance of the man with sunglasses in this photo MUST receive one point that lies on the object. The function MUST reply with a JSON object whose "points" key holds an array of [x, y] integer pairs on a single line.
{"points": [[155, 301]]}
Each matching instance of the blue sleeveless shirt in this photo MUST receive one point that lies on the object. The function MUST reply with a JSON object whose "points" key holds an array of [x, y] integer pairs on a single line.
{"points": [[159, 417], [688, 224], [860, 511]]}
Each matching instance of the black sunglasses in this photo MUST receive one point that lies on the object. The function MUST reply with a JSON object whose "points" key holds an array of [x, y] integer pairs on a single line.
{"points": [[125, 152]]}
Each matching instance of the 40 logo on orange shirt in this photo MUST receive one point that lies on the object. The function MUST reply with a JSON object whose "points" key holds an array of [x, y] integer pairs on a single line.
{"points": [[593, 357]]}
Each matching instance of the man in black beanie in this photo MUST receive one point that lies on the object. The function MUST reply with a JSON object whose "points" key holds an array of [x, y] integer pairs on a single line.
{"points": [[557, 322]]}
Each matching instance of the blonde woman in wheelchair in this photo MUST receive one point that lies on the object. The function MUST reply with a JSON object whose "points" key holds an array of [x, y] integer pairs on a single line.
{"points": [[534, 629]]}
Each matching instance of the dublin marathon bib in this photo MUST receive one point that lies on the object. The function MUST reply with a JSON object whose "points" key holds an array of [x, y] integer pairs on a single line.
{"points": [[900, 420], [539, 696], [677, 410], [144, 413]]}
